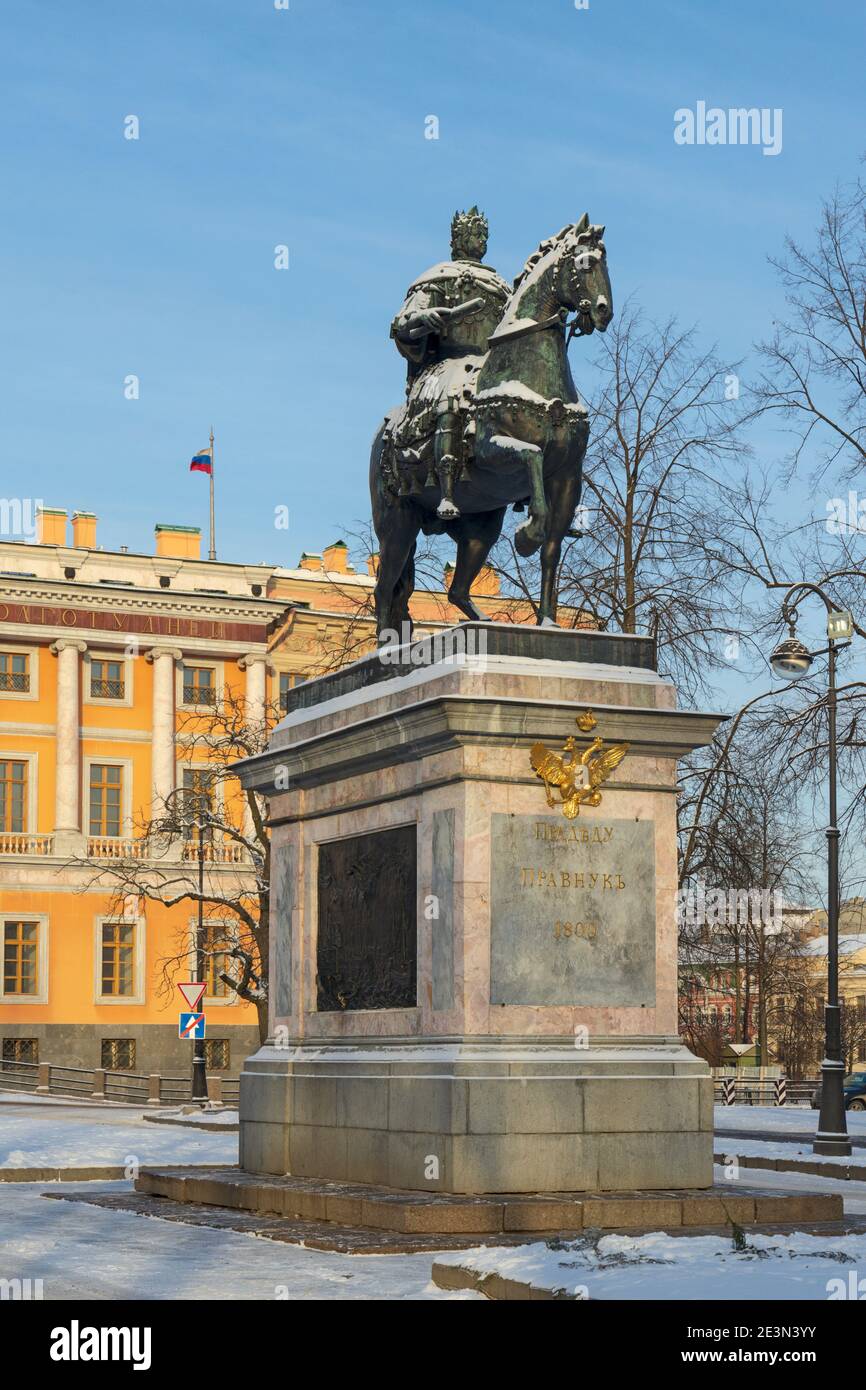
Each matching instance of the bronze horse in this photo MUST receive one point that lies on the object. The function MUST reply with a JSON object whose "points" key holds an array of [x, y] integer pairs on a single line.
{"points": [[520, 440]]}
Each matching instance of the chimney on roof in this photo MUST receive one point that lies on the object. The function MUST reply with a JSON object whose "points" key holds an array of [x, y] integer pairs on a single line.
{"points": [[84, 530], [310, 560], [179, 542], [51, 526], [373, 565], [336, 558]]}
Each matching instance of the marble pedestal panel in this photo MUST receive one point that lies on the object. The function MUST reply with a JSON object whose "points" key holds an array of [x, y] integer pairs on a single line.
{"points": [[528, 1036]]}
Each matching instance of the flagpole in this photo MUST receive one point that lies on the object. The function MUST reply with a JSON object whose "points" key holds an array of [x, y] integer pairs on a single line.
{"points": [[212, 551]]}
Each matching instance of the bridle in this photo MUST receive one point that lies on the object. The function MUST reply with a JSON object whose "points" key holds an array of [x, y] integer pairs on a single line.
{"points": [[578, 327]]}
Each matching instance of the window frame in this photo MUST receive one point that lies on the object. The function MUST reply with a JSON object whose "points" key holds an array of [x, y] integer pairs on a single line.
{"points": [[202, 663], [127, 666], [139, 981], [91, 760], [42, 958], [230, 926], [12, 755], [32, 654], [112, 1070], [209, 1065], [18, 1061]]}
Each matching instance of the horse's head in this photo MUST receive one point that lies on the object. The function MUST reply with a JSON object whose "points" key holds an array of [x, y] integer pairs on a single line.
{"points": [[583, 283]]}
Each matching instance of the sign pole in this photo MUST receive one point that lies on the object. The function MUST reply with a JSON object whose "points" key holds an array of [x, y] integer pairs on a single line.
{"points": [[199, 1065]]}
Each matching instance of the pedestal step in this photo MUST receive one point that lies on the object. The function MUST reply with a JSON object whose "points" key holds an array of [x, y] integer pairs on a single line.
{"points": [[363, 1206]]}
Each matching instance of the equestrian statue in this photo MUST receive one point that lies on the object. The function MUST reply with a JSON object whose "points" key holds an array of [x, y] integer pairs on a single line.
{"points": [[492, 416]]}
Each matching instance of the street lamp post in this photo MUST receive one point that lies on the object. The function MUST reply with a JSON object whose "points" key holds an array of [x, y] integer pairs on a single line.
{"points": [[199, 1064], [792, 659]]}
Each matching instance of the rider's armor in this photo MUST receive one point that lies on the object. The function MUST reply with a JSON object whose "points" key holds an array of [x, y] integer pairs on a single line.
{"points": [[429, 442]]}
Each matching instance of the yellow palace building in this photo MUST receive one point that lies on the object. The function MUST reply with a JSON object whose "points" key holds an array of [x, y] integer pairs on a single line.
{"points": [[104, 655]]}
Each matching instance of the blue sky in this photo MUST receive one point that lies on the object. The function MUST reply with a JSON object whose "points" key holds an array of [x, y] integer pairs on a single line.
{"points": [[305, 127]]}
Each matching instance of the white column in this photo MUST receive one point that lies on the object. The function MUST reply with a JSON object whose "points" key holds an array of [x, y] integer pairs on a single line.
{"points": [[67, 812], [256, 666], [163, 743]]}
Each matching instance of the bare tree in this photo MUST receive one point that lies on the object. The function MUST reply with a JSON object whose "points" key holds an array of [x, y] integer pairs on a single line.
{"points": [[742, 850], [815, 376], [665, 429], [161, 863]]}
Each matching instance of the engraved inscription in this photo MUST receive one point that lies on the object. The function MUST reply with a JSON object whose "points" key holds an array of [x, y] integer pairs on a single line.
{"points": [[573, 912]]}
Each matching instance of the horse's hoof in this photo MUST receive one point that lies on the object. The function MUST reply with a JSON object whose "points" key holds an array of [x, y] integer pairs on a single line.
{"points": [[527, 540], [447, 510]]}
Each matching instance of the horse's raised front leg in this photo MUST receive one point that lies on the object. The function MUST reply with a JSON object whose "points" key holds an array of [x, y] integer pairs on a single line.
{"points": [[530, 534], [478, 533], [516, 452]]}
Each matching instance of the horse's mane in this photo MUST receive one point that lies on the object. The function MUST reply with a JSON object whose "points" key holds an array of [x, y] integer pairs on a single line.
{"points": [[542, 250]]}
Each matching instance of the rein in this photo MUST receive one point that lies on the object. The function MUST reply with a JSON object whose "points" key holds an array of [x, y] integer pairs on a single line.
{"points": [[558, 320]]}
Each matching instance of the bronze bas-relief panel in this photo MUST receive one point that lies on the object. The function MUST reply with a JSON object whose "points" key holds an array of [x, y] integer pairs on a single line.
{"points": [[367, 929]]}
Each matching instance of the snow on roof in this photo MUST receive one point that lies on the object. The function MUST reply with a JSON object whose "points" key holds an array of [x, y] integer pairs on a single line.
{"points": [[849, 944]]}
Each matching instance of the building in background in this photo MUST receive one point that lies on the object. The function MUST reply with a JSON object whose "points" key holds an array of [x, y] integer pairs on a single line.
{"points": [[105, 658]]}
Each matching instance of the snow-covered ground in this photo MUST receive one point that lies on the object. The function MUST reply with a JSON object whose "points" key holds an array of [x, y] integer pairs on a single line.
{"points": [[768, 1119], [660, 1266], [82, 1251], [50, 1136], [85, 1252], [767, 1148], [225, 1119]]}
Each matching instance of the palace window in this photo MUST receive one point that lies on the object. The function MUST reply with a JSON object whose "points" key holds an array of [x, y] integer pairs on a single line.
{"points": [[118, 1054], [199, 685], [198, 798], [20, 957], [288, 681], [13, 796], [21, 1050], [118, 958], [216, 944], [15, 671], [106, 793], [217, 1054], [106, 679]]}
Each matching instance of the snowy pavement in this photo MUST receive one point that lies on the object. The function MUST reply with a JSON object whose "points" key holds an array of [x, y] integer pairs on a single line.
{"points": [[82, 1251], [85, 1252], [768, 1119], [796, 1150], [660, 1266], [52, 1136]]}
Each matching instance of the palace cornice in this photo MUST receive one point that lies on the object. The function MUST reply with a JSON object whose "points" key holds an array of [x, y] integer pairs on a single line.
{"points": [[163, 602]]}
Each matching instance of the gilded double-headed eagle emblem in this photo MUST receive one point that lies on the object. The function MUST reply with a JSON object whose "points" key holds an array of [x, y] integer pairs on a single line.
{"points": [[577, 776]]}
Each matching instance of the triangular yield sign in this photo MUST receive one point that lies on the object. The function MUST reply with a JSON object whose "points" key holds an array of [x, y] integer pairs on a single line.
{"points": [[192, 992]]}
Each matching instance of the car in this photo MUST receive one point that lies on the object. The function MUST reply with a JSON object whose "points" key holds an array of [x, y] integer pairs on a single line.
{"points": [[854, 1091]]}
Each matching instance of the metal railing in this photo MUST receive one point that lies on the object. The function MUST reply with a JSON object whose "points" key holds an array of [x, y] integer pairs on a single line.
{"points": [[136, 1088], [15, 680], [199, 695], [107, 690], [769, 1091]]}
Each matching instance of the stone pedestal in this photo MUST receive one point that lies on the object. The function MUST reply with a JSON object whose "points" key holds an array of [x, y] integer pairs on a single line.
{"points": [[471, 992]]}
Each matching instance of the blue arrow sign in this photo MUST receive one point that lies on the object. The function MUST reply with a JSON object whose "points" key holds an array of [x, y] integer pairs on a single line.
{"points": [[191, 1026]]}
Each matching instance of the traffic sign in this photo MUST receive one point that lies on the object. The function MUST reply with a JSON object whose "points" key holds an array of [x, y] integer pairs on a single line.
{"points": [[191, 1026], [192, 992]]}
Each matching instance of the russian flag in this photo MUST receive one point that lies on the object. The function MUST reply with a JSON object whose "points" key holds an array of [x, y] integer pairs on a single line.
{"points": [[202, 462]]}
